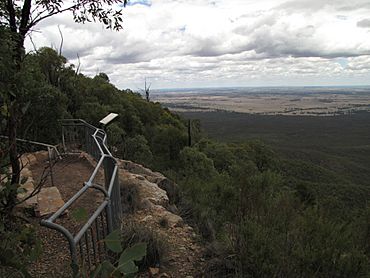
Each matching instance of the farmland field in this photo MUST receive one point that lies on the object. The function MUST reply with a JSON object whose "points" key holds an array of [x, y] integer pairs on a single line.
{"points": [[313, 101]]}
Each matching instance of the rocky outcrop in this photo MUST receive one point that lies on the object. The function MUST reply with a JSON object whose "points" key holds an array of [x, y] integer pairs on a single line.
{"points": [[149, 199], [147, 193], [44, 200], [27, 186], [143, 189], [160, 180]]}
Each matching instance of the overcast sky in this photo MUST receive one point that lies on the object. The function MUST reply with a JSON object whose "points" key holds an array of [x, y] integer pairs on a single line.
{"points": [[210, 43]]}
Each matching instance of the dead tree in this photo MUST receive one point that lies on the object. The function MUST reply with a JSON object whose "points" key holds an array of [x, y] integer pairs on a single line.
{"points": [[147, 91]]}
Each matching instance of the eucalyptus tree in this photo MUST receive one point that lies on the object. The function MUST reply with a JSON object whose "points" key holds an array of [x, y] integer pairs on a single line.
{"points": [[17, 20]]}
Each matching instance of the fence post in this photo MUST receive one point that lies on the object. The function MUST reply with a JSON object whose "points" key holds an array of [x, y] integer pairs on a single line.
{"points": [[51, 167], [108, 171], [63, 139]]}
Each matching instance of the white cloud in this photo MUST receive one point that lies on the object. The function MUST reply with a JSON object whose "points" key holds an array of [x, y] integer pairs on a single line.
{"points": [[223, 42]]}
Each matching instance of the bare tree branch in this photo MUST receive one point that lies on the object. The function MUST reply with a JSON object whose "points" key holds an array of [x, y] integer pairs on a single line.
{"points": [[61, 41], [33, 44], [147, 91], [79, 65], [38, 187], [70, 8]]}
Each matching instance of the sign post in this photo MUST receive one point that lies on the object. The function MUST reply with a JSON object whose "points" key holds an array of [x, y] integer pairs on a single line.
{"points": [[108, 119]]}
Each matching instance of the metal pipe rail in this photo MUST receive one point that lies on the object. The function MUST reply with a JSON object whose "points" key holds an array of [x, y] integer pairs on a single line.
{"points": [[48, 146], [107, 216], [53, 153]]}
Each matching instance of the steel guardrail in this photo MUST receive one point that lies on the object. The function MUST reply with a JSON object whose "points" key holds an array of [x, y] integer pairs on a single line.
{"points": [[50, 149], [107, 216]]}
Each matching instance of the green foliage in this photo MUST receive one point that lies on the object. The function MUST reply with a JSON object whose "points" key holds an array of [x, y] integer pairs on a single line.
{"points": [[126, 261], [271, 217], [80, 214], [19, 246], [113, 241], [8, 191], [51, 90], [220, 153], [166, 143], [137, 149], [196, 164], [125, 265], [156, 245], [6, 63]]}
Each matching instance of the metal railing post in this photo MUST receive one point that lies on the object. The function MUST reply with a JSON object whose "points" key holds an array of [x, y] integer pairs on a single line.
{"points": [[51, 167], [110, 217], [63, 140]]}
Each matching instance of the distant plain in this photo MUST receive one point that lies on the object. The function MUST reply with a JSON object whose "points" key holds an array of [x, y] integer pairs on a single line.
{"points": [[311, 101]]}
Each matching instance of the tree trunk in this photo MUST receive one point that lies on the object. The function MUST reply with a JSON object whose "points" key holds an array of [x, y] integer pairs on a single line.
{"points": [[12, 135], [14, 109], [189, 133]]}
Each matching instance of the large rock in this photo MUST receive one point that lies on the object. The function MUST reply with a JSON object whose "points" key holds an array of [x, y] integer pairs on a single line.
{"points": [[155, 177], [26, 173], [151, 192], [42, 156], [167, 185], [138, 191], [27, 159], [171, 220], [25, 190], [162, 216], [138, 169], [49, 201]]}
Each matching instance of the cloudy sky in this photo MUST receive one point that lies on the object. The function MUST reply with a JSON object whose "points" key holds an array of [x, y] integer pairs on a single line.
{"points": [[210, 43]]}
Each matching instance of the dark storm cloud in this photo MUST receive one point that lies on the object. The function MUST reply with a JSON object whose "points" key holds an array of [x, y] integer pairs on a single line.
{"points": [[317, 5], [363, 5], [72, 53], [365, 23], [214, 48], [305, 5], [125, 58]]}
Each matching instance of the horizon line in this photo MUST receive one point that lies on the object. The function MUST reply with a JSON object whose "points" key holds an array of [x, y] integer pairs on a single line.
{"points": [[271, 86]]}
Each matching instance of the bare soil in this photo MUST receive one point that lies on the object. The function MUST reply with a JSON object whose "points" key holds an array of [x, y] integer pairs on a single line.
{"points": [[69, 176]]}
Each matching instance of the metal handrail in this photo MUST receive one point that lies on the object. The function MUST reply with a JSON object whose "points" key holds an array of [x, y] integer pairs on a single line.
{"points": [[49, 148], [112, 217]]}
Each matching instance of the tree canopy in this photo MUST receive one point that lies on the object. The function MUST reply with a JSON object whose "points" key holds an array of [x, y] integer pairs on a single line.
{"points": [[17, 19], [22, 16]]}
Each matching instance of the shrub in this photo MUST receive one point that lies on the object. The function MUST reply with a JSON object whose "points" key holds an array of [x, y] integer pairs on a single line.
{"points": [[133, 233]]}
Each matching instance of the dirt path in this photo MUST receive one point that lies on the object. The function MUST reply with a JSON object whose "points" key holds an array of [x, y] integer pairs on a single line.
{"points": [[69, 175]]}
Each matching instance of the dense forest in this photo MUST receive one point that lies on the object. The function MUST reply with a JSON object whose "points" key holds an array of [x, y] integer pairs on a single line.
{"points": [[260, 214]]}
